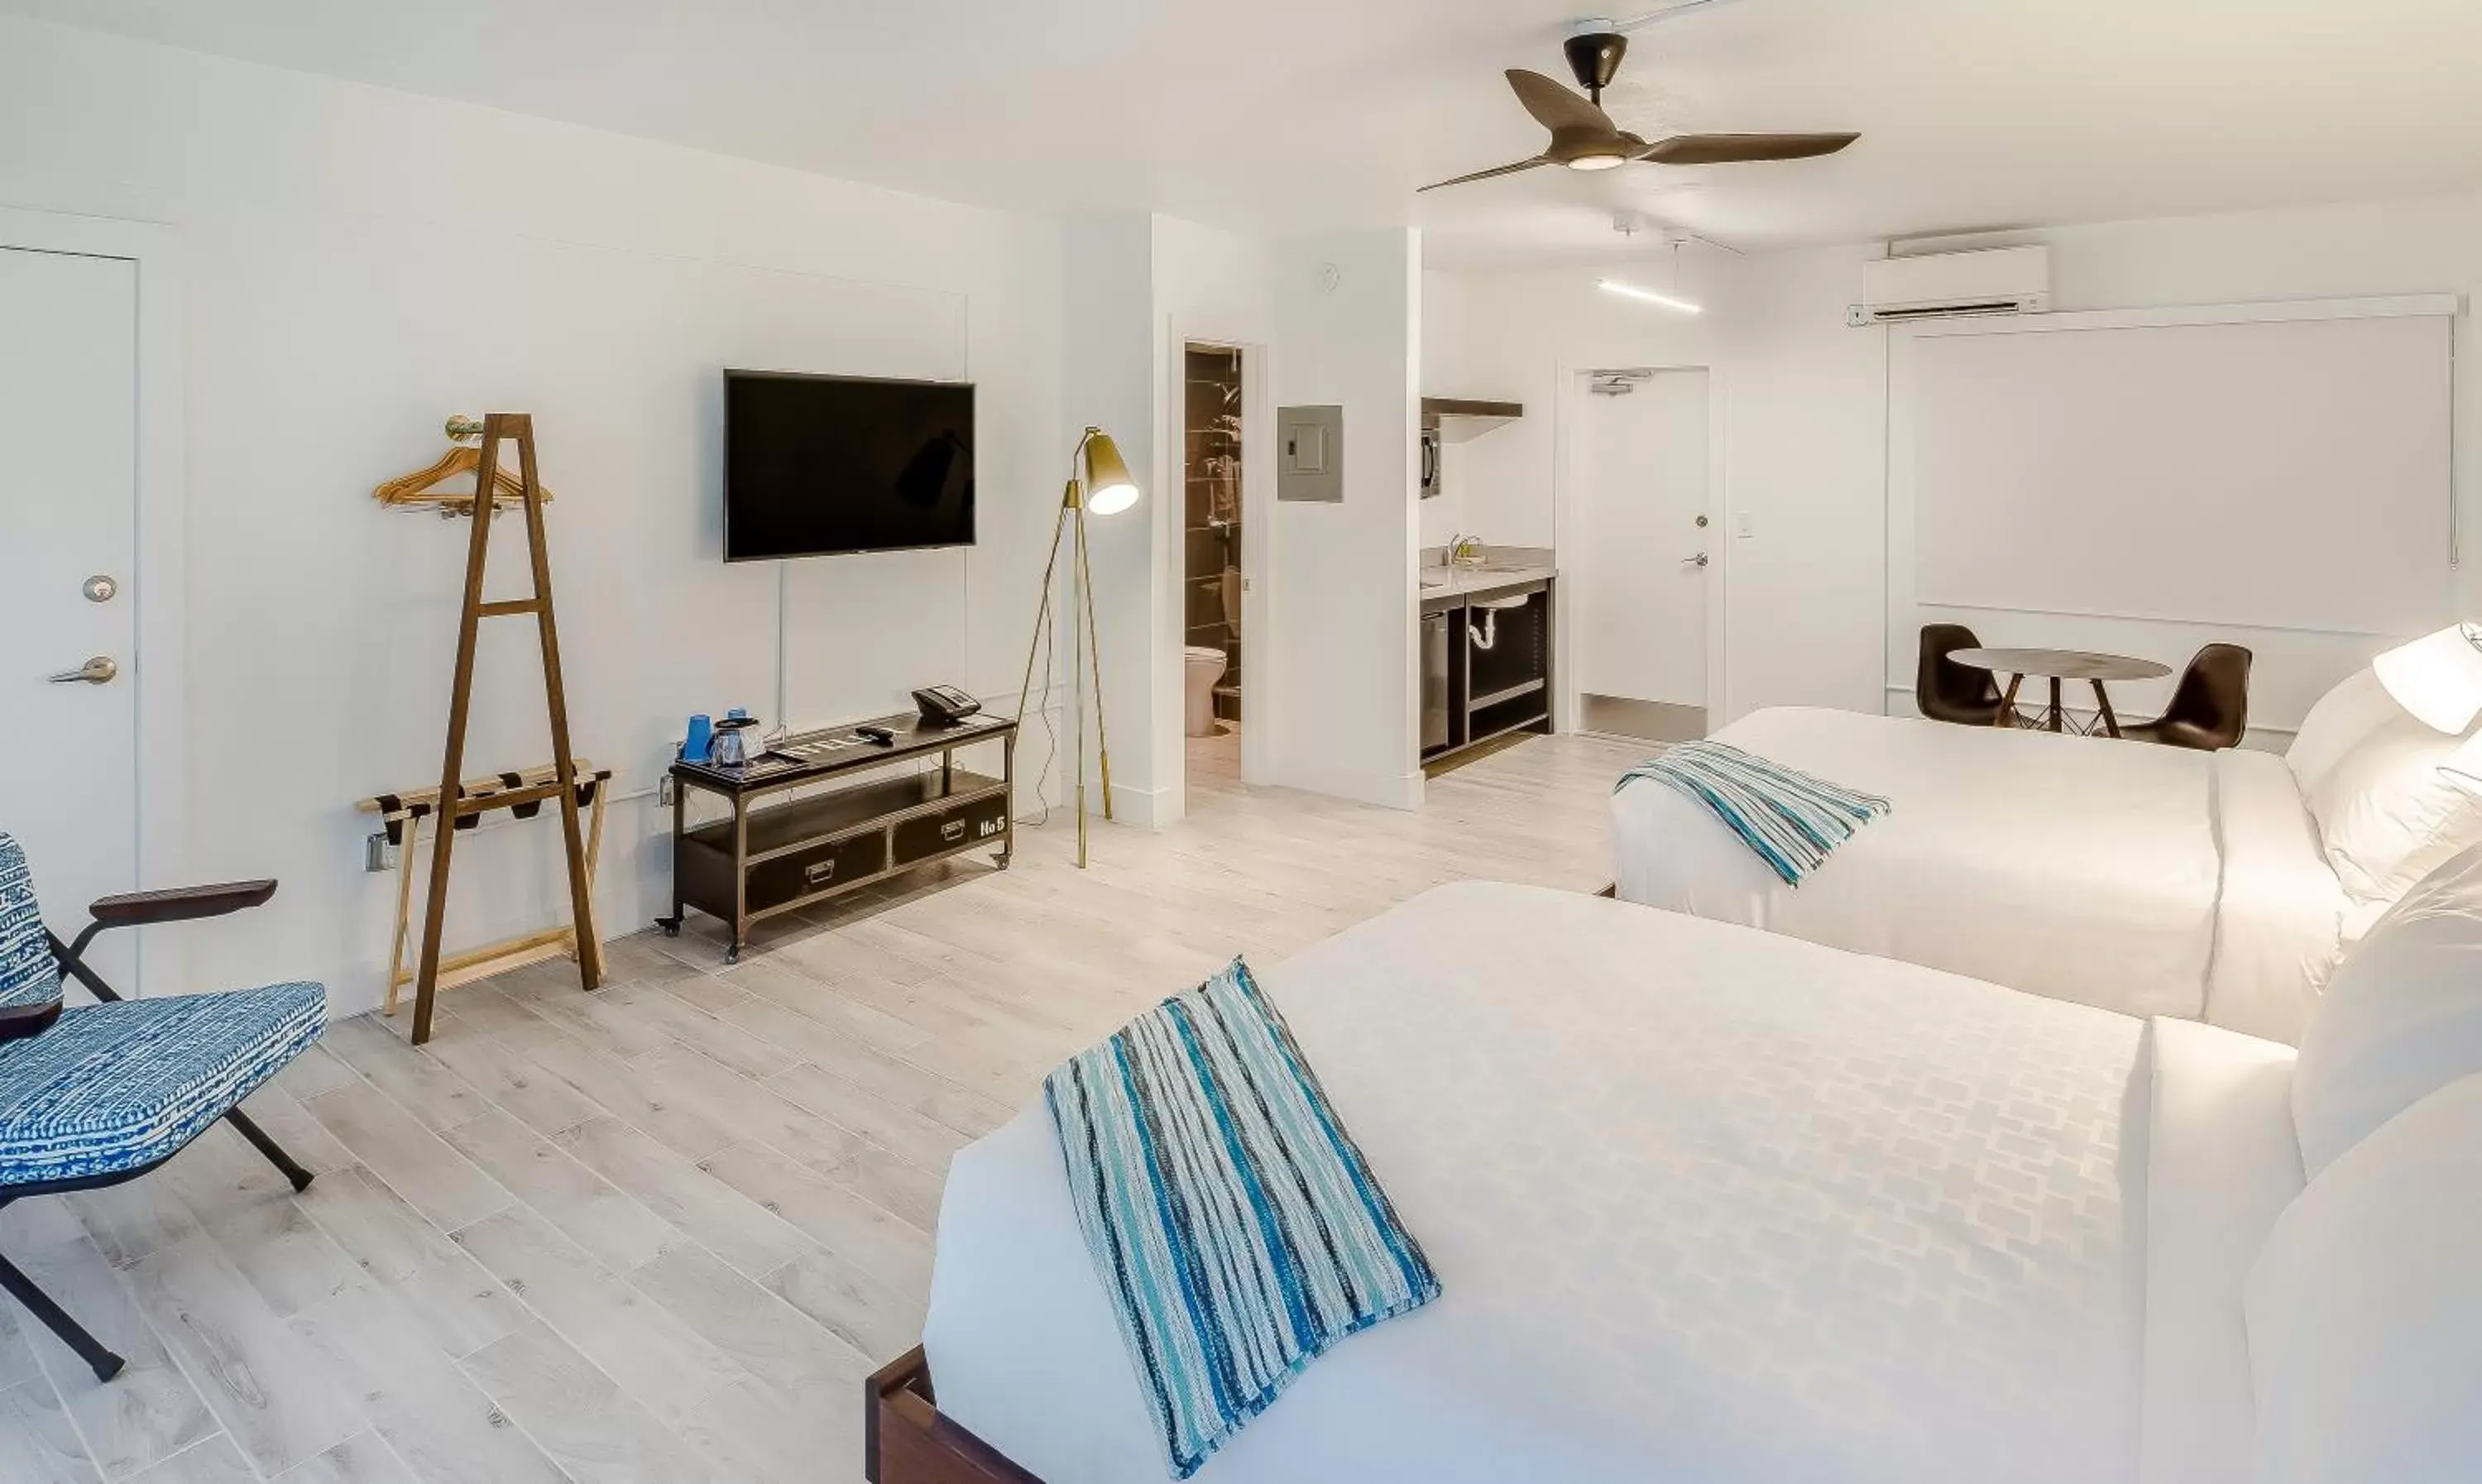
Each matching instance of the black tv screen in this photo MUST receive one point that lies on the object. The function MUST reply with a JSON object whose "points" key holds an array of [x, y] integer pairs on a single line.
{"points": [[819, 464]]}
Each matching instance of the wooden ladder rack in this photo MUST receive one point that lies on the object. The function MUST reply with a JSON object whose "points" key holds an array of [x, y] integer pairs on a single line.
{"points": [[497, 428]]}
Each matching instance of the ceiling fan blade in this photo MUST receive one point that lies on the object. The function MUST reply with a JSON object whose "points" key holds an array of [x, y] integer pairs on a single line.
{"points": [[1485, 175], [1740, 148], [1555, 107]]}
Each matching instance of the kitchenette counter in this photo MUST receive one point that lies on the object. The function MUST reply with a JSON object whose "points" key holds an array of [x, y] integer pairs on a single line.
{"points": [[1486, 641], [1453, 587]]}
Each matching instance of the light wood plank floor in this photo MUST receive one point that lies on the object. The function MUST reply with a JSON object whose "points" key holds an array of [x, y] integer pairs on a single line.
{"points": [[658, 1234]]}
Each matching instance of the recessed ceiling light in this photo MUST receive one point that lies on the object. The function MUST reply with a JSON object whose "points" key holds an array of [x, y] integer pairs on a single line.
{"points": [[1650, 296]]}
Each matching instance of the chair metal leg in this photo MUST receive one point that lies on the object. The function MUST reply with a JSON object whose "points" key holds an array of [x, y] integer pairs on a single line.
{"points": [[73, 1334], [274, 1152]]}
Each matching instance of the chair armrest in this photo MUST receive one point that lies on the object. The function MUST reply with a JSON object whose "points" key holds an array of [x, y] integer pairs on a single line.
{"points": [[179, 903]]}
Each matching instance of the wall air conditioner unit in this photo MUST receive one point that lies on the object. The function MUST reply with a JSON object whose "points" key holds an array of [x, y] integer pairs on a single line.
{"points": [[1945, 285]]}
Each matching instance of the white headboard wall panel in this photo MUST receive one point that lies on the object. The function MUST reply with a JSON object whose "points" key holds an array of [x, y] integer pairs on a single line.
{"points": [[2283, 467]]}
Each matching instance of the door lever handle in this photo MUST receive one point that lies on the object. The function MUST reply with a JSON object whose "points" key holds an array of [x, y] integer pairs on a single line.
{"points": [[1700, 560], [98, 671]]}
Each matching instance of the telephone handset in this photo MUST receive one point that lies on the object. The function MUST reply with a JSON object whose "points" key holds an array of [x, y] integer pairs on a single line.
{"points": [[944, 706]]}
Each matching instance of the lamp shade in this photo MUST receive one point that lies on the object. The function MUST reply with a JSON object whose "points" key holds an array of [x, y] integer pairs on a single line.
{"points": [[2437, 678], [1109, 489]]}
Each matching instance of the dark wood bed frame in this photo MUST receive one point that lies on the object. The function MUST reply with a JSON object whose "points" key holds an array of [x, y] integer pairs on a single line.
{"points": [[905, 1440]]}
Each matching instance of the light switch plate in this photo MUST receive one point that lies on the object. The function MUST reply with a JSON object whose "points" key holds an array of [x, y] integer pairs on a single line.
{"points": [[1744, 527], [1309, 453]]}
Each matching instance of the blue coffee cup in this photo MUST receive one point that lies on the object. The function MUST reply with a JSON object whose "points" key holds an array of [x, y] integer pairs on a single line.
{"points": [[702, 737]]}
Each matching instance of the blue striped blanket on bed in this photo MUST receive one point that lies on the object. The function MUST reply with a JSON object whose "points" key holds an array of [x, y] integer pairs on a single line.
{"points": [[1790, 819], [1231, 1219]]}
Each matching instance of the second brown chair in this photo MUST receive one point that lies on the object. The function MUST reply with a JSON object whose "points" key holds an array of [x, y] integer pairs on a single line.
{"points": [[2209, 709]]}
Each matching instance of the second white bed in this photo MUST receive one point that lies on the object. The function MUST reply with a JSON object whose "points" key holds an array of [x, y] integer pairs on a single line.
{"points": [[2146, 879]]}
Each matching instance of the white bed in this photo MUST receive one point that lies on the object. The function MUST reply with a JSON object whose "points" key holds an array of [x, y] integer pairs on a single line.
{"points": [[2146, 880], [1707, 1205]]}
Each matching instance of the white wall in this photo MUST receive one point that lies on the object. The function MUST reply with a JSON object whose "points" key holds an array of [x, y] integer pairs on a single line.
{"points": [[1217, 286], [2342, 251], [361, 264], [1810, 619], [1137, 285], [1111, 376], [1520, 337], [1342, 626]]}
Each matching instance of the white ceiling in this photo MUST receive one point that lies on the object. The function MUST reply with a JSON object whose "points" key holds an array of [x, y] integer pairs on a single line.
{"points": [[1290, 115]]}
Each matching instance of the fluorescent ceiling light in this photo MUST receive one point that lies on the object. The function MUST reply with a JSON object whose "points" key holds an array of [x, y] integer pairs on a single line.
{"points": [[2438, 678], [1633, 291]]}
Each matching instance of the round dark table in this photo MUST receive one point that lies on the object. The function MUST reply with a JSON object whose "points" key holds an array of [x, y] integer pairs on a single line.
{"points": [[2056, 666]]}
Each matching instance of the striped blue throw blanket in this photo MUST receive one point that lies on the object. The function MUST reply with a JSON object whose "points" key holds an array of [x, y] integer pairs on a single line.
{"points": [[1790, 819], [1232, 1220]]}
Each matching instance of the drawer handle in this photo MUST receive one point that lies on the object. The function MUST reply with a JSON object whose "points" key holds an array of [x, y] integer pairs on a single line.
{"points": [[953, 830], [820, 871]]}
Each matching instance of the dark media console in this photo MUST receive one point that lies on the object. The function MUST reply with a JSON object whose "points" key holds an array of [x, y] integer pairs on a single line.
{"points": [[771, 857]]}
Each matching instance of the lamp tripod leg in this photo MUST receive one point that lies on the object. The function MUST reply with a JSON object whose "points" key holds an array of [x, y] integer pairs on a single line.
{"points": [[1034, 647], [1095, 659], [1077, 690]]}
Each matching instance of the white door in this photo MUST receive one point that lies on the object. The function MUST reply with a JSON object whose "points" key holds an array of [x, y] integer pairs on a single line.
{"points": [[68, 450], [1640, 465]]}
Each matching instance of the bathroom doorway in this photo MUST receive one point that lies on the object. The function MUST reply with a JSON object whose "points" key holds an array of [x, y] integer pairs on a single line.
{"points": [[1211, 565]]}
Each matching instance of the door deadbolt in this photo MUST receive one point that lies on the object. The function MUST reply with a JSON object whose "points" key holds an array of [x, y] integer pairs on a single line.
{"points": [[101, 588], [1702, 522]]}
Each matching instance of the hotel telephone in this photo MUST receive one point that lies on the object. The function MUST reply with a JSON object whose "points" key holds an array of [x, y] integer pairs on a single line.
{"points": [[944, 706]]}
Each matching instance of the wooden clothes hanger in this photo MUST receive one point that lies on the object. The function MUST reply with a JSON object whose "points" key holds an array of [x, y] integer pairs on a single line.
{"points": [[419, 487]]}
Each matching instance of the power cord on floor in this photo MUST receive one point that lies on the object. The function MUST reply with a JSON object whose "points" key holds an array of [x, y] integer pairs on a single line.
{"points": [[1050, 732]]}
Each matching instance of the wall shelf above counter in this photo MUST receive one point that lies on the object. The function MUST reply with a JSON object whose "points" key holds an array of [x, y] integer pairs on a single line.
{"points": [[1459, 418]]}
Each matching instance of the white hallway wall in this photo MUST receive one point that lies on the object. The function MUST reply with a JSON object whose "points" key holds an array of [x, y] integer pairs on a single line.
{"points": [[1811, 620], [1346, 688], [1137, 285], [360, 263]]}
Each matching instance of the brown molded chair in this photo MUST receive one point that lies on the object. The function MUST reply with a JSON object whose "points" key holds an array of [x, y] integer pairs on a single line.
{"points": [[1947, 691], [2209, 709]]}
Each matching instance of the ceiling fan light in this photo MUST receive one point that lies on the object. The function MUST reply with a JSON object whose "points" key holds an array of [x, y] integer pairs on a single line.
{"points": [[1599, 162], [1648, 296]]}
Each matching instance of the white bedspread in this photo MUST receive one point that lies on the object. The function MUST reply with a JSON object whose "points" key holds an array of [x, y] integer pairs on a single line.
{"points": [[1707, 1205], [2066, 866], [2222, 1162]]}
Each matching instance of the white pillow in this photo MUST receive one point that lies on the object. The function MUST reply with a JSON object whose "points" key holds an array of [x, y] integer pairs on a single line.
{"points": [[2401, 1018], [2356, 707], [2364, 1309], [2386, 813]]}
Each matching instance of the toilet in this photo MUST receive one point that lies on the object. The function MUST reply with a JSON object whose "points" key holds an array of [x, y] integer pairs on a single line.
{"points": [[1202, 667]]}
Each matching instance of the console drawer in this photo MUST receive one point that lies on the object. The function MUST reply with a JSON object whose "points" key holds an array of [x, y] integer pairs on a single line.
{"points": [[816, 868], [953, 827]]}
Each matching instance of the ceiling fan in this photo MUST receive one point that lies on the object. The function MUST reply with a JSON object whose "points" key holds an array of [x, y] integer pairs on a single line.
{"points": [[1583, 137]]}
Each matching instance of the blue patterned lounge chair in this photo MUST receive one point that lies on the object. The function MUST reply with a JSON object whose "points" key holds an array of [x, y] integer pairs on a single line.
{"points": [[95, 1094]]}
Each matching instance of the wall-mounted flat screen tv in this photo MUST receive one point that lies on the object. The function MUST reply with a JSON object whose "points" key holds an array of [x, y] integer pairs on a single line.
{"points": [[815, 465]]}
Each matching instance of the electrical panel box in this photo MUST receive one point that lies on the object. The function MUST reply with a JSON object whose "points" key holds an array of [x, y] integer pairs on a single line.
{"points": [[1309, 453]]}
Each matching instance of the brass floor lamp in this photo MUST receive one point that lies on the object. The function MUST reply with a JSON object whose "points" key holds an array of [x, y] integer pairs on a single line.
{"points": [[1107, 490]]}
